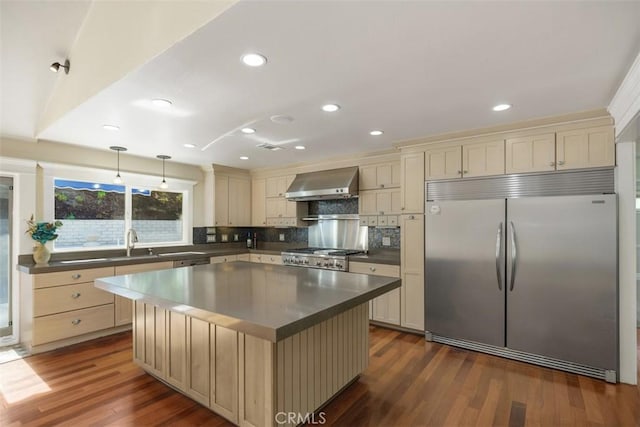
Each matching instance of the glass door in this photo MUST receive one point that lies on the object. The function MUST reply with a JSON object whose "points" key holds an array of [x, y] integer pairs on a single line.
{"points": [[6, 190]]}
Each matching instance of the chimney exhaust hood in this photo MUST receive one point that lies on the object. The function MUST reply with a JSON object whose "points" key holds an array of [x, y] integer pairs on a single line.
{"points": [[324, 185]]}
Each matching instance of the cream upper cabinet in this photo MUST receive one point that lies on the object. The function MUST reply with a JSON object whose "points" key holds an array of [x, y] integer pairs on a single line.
{"points": [[386, 175], [585, 148], [222, 200], [258, 202], [412, 263], [379, 202], [232, 199], [412, 183], [239, 201], [483, 158], [531, 153], [277, 186], [443, 163]]}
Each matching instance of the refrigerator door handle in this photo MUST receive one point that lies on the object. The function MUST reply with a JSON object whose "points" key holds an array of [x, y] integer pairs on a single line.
{"points": [[498, 250], [514, 255]]}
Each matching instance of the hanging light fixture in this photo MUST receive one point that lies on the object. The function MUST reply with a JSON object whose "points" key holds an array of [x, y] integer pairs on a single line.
{"points": [[118, 178], [55, 67], [163, 184]]}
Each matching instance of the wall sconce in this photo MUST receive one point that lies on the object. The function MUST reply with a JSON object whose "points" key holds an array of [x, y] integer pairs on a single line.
{"points": [[163, 184], [55, 67], [118, 178]]}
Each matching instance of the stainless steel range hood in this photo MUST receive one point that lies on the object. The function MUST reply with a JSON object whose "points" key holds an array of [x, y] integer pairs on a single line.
{"points": [[324, 185]]}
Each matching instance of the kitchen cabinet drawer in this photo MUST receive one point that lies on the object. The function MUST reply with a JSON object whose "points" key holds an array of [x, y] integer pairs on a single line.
{"points": [[72, 323], [255, 257], [223, 258], [67, 277], [271, 259], [386, 270], [243, 257], [68, 297]]}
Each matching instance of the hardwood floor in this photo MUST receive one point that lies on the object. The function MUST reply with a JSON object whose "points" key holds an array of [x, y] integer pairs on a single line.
{"points": [[409, 382]]}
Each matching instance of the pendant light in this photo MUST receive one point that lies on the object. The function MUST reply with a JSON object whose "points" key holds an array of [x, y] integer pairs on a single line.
{"points": [[163, 184], [118, 178]]}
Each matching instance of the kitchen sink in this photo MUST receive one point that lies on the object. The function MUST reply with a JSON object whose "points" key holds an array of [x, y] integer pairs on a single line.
{"points": [[182, 253], [79, 261]]}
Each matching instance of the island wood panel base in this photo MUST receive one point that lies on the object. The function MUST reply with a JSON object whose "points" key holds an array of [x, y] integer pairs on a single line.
{"points": [[248, 380]]}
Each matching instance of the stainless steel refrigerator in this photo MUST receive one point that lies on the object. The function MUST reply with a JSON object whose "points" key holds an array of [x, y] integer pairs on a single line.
{"points": [[531, 278]]}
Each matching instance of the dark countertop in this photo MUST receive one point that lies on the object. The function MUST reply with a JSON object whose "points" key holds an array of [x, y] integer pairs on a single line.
{"points": [[264, 300], [378, 256], [113, 258]]}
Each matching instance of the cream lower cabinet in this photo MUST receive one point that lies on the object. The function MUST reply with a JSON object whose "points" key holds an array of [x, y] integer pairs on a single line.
{"points": [[198, 358], [265, 258], [412, 268], [123, 308], [385, 308], [65, 304], [222, 259]]}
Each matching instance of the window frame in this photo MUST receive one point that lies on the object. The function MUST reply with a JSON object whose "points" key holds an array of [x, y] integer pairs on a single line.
{"points": [[51, 172]]}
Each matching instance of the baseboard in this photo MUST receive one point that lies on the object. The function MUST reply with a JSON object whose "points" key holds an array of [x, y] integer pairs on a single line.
{"points": [[75, 340]]}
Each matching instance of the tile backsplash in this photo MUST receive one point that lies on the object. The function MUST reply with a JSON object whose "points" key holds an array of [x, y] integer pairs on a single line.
{"points": [[295, 236]]}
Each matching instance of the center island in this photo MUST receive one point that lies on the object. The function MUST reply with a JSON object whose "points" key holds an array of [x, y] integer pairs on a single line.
{"points": [[259, 344]]}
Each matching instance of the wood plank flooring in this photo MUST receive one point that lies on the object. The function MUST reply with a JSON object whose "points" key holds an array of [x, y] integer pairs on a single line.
{"points": [[409, 382]]}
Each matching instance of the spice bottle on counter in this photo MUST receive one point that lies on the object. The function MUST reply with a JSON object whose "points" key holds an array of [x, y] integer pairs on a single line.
{"points": [[249, 241]]}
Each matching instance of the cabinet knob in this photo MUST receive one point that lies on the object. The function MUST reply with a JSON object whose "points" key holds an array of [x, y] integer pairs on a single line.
{"points": [[412, 217], [230, 223], [552, 163], [76, 321], [381, 185], [372, 268], [459, 172], [465, 172], [402, 208], [561, 162], [76, 276], [75, 295]]}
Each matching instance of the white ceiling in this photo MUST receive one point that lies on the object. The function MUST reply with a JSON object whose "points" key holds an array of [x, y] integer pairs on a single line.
{"points": [[411, 68]]}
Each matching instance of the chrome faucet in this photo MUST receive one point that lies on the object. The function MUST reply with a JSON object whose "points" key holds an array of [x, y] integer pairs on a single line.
{"points": [[132, 239]]}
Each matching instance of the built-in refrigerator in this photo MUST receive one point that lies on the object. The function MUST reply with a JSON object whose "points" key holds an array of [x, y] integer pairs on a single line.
{"points": [[513, 272]]}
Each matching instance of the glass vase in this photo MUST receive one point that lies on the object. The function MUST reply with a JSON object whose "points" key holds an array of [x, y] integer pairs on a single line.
{"points": [[41, 254]]}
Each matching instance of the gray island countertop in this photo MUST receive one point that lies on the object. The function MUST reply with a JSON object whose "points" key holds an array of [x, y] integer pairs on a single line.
{"points": [[266, 301]]}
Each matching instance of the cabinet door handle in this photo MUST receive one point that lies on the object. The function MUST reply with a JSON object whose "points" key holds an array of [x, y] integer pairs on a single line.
{"points": [[76, 276], [76, 321], [561, 162], [465, 172], [372, 268], [412, 217], [75, 295], [459, 172]]}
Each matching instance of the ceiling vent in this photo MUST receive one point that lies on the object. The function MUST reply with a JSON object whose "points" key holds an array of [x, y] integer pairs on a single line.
{"points": [[269, 146]]}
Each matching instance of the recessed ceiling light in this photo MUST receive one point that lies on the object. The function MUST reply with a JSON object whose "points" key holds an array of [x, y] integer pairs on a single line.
{"points": [[189, 146], [376, 133], [300, 147], [254, 60], [161, 103], [110, 127], [248, 130], [330, 108], [501, 107], [244, 158]]}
